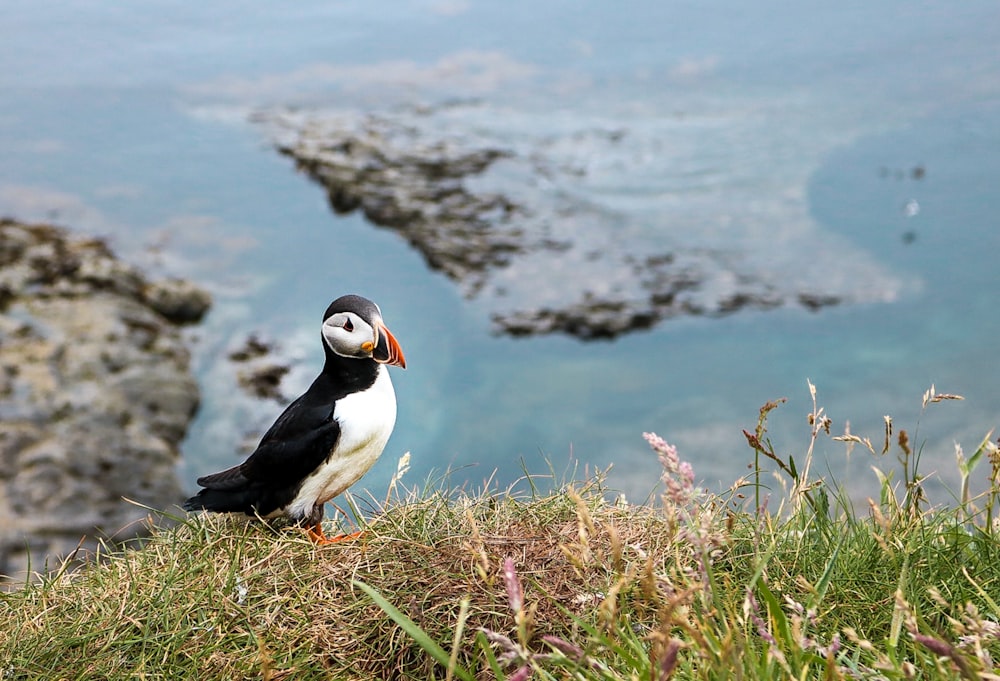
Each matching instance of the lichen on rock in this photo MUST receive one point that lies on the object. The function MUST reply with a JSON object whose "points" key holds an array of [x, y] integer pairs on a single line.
{"points": [[96, 393]]}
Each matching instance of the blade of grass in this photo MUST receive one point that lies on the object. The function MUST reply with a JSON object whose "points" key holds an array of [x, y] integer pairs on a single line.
{"points": [[777, 615], [463, 614], [985, 596], [824, 581], [491, 657]]}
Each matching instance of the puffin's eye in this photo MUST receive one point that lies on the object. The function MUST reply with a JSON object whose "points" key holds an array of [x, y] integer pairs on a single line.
{"points": [[348, 326]]}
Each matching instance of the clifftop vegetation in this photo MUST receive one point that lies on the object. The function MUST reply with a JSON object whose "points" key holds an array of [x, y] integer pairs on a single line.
{"points": [[570, 584]]}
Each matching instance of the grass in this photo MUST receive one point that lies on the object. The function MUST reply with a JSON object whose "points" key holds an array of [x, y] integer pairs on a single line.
{"points": [[551, 585]]}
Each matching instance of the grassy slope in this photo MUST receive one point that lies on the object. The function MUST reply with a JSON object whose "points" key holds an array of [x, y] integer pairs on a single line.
{"points": [[698, 588]]}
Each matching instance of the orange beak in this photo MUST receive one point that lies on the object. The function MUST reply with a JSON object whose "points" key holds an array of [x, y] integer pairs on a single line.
{"points": [[387, 350]]}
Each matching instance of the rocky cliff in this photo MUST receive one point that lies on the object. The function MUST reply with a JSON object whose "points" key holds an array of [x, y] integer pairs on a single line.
{"points": [[96, 393]]}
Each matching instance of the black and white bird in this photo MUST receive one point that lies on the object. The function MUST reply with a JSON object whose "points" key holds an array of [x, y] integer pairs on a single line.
{"points": [[327, 438]]}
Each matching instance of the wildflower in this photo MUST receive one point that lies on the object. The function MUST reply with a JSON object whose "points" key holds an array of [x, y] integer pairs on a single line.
{"points": [[752, 609], [936, 646], [515, 594], [570, 650], [678, 476], [695, 525], [509, 651], [978, 634], [521, 674], [668, 662], [834, 646]]}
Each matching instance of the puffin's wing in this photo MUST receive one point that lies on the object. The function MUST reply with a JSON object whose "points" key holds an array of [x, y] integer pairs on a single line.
{"points": [[231, 478], [298, 442]]}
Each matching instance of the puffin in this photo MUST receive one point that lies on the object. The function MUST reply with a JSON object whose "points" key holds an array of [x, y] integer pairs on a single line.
{"points": [[328, 437]]}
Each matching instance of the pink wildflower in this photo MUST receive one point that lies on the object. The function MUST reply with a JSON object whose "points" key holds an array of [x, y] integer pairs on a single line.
{"points": [[515, 594], [678, 476]]}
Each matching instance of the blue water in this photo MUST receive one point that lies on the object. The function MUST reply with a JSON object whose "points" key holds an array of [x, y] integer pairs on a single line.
{"points": [[132, 122]]}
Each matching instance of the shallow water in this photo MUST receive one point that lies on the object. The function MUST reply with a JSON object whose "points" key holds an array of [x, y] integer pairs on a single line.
{"points": [[791, 134]]}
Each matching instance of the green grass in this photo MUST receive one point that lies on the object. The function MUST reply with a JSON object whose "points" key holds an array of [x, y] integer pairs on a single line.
{"points": [[561, 585]]}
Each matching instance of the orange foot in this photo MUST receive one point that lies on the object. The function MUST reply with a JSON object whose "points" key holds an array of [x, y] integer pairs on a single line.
{"points": [[315, 533]]}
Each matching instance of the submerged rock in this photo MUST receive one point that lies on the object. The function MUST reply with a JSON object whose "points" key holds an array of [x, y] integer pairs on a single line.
{"points": [[95, 393], [259, 376], [592, 231]]}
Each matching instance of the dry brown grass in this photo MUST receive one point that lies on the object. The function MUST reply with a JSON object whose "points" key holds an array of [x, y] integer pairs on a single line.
{"points": [[222, 598]]}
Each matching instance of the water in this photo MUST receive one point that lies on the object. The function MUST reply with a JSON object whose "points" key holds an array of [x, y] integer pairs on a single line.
{"points": [[789, 131]]}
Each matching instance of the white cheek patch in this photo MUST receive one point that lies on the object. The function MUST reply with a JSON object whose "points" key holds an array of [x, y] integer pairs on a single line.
{"points": [[343, 342], [330, 335]]}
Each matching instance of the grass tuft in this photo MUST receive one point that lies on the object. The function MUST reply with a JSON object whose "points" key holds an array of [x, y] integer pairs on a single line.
{"points": [[562, 585]]}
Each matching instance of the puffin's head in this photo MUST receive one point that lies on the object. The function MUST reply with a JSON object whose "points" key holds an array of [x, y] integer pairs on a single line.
{"points": [[353, 327]]}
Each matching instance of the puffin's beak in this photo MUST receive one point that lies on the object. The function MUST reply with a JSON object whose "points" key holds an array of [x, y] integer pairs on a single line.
{"points": [[387, 350]]}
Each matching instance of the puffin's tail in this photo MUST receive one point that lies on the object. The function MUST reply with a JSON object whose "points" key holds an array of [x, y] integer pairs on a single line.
{"points": [[220, 501], [225, 492]]}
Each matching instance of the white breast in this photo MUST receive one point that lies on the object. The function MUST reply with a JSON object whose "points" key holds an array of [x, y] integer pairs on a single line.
{"points": [[366, 421]]}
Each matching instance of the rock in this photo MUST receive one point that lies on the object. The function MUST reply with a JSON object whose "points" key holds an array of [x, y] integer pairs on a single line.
{"points": [[264, 381], [417, 190], [259, 376], [178, 300], [593, 232], [96, 394], [253, 348]]}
